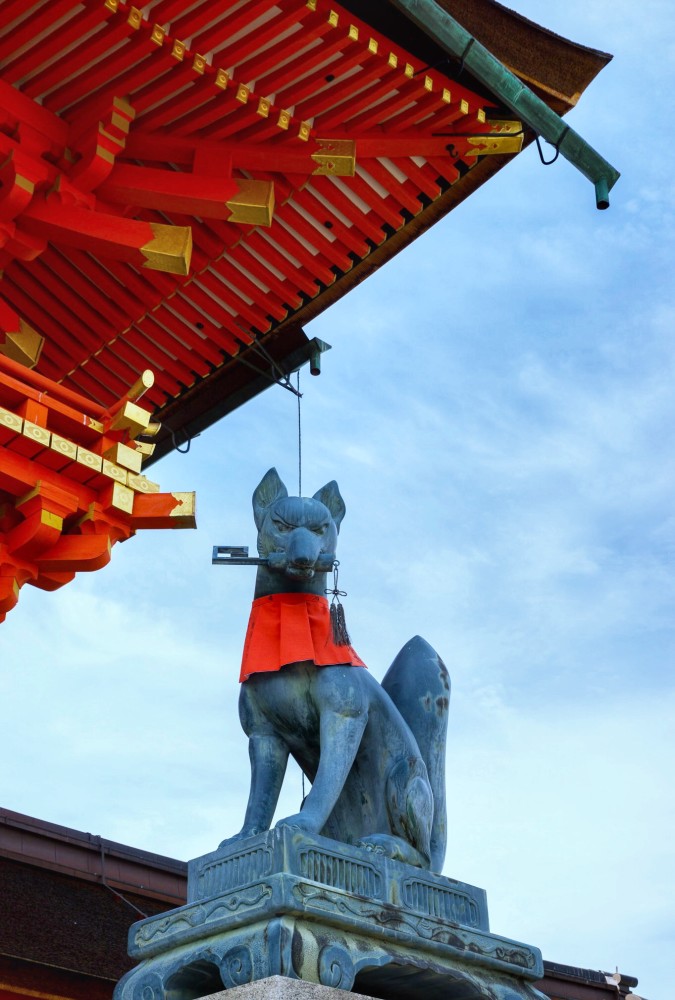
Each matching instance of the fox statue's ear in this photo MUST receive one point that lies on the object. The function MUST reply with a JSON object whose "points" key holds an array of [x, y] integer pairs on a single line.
{"points": [[329, 495], [269, 489]]}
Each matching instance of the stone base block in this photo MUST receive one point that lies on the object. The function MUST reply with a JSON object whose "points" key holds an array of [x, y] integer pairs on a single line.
{"points": [[283, 904], [281, 988]]}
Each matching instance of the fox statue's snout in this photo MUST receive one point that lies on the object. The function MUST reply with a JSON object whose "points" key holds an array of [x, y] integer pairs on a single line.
{"points": [[301, 556]]}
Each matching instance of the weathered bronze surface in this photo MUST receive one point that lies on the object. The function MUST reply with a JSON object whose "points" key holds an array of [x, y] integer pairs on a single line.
{"points": [[374, 753]]}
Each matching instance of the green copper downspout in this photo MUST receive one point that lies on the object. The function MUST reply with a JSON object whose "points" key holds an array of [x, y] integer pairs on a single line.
{"points": [[530, 109]]}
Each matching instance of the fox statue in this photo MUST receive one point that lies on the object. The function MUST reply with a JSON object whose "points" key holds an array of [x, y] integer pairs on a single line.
{"points": [[374, 753]]}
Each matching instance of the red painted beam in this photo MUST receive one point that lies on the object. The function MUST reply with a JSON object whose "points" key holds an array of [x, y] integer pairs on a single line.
{"points": [[191, 25], [337, 46], [314, 26], [112, 64], [43, 66], [96, 232], [171, 191], [233, 53], [202, 88]]}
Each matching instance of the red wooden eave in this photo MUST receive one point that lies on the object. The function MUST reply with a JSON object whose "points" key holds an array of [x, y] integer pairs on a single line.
{"points": [[286, 148]]}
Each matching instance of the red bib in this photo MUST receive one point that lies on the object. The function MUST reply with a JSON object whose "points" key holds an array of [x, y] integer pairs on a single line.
{"points": [[287, 628]]}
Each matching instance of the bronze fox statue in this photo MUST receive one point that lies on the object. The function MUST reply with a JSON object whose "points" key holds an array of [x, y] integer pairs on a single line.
{"points": [[374, 753]]}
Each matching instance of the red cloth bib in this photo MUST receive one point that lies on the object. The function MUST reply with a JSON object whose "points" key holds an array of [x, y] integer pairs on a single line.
{"points": [[287, 628]]}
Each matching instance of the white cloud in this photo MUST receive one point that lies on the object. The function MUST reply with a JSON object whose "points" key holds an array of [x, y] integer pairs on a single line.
{"points": [[498, 411], [568, 801]]}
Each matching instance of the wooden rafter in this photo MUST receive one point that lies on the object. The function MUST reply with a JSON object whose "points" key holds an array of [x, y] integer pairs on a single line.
{"points": [[289, 155], [70, 481]]}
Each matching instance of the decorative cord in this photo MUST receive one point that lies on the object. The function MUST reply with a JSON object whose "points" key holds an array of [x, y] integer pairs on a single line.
{"points": [[337, 612]]}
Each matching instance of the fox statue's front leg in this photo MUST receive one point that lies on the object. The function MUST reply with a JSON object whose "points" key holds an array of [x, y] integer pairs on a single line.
{"points": [[268, 755], [343, 714]]}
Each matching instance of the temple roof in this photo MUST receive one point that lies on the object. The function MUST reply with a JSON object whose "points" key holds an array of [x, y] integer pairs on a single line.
{"points": [[185, 186]]}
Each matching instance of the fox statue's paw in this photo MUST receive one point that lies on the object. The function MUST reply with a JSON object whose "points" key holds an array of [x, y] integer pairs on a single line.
{"points": [[300, 821], [251, 831], [395, 848]]}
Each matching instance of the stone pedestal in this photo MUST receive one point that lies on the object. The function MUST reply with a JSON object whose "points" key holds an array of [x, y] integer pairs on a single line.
{"points": [[283, 904], [281, 988]]}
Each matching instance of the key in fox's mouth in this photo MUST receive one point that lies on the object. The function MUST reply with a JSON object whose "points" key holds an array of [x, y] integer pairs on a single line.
{"points": [[300, 572]]}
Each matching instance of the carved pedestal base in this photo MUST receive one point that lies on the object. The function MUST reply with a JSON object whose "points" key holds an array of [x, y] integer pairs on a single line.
{"points": [[308, 908]]}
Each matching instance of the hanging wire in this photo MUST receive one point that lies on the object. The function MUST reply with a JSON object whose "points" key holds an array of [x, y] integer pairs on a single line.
{"points": [[299, 395], [276, 374], [299, 438], [105, 882]]}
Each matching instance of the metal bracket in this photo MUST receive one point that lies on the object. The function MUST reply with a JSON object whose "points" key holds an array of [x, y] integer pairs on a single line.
{"points": [[335, 157], [235, 555]]}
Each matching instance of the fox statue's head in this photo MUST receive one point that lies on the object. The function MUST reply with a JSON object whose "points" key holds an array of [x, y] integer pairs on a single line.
{"points": [[297, 535]]}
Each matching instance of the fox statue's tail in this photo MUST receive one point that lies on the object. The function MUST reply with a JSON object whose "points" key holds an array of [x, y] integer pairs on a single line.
{"points": [[419, 685]]}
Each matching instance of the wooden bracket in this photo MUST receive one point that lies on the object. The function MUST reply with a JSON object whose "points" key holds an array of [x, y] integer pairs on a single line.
{"points": [[18, 340], [64, 504], [41, 201]]}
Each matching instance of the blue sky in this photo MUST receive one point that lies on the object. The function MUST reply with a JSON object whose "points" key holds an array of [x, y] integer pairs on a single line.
{"points": [[498, 409]]}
